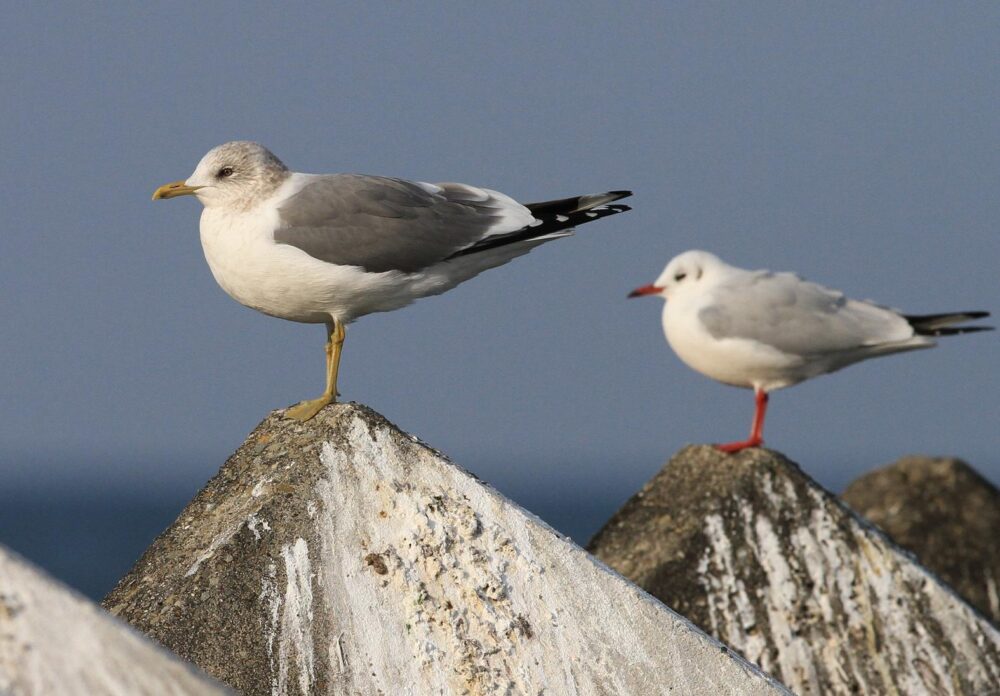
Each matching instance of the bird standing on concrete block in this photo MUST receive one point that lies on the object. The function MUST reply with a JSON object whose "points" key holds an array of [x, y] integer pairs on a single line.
{"points": [[763, 331], [328, 249]]}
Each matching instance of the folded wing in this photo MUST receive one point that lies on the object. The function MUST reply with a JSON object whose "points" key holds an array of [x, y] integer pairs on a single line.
{"points": [[385, 224], [797, 317]]}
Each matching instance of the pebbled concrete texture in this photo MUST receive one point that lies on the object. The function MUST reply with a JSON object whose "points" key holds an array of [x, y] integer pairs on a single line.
{"points": [[943, 511], [760, 556], [54, 642], [343, 556]]}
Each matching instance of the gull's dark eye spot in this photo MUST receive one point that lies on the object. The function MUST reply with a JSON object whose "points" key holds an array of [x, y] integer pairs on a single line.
{"points": [[680, 276], [224, 172]]}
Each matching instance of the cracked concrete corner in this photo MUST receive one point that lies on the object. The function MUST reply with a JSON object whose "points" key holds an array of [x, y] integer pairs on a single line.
{"points": [[760, 556], [344, 556], [54, 642]]}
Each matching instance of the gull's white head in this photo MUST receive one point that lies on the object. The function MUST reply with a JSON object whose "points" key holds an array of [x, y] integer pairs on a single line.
{"points": [[235, 175], [685, 273]]}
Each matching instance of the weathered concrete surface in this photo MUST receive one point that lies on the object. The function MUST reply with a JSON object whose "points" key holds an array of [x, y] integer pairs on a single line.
{"points": [[946, 514], [343, 556], [55, 643], [759, 555]]}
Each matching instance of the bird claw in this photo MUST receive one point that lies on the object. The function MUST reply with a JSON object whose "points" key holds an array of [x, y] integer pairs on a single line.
{"points": [[733, 447], [305, 410]]}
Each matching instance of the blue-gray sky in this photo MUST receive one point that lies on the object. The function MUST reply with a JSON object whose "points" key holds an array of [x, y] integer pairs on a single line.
{"points": [[857, 145]]}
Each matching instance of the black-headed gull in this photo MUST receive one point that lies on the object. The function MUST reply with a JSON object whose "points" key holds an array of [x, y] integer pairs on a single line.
{"points": [[327, 249], [763, 331]]}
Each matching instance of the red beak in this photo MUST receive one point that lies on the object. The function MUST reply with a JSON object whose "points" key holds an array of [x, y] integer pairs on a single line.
{"points": [[645, 290]]}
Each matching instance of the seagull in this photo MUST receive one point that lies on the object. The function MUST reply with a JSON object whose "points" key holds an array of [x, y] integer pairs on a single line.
{"points": [[763, 331], [329, 248]]}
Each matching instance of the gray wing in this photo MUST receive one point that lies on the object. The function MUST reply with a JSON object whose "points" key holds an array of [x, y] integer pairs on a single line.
{"points": [[385, 224], [798, 317]]}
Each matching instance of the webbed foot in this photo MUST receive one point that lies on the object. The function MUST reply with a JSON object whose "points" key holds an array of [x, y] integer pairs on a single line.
{"points": [[304, 410]]}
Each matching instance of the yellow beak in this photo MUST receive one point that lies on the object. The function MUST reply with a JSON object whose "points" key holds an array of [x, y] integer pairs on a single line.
{"points": [[174, 189]]}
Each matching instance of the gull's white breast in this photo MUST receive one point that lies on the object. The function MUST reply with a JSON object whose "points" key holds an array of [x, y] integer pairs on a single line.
{"points": [[283, 281], [739, 362]]}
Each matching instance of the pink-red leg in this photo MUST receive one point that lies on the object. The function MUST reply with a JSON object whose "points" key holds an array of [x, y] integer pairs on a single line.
{"points": [[756, 438]]}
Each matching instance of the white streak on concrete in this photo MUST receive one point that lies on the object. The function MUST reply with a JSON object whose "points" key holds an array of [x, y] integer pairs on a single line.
{"points": [[255, 524], [217, 543], [783, 601], [270, 598], [716, 567], [295, 639]]}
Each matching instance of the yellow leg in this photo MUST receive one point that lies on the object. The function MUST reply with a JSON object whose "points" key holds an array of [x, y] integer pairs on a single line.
{"points": [[305, 410]]}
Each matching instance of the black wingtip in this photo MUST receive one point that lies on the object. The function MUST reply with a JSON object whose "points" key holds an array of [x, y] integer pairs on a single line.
{"points": [[553, 216], [955, 330], [944, 324], [948, 316]]}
